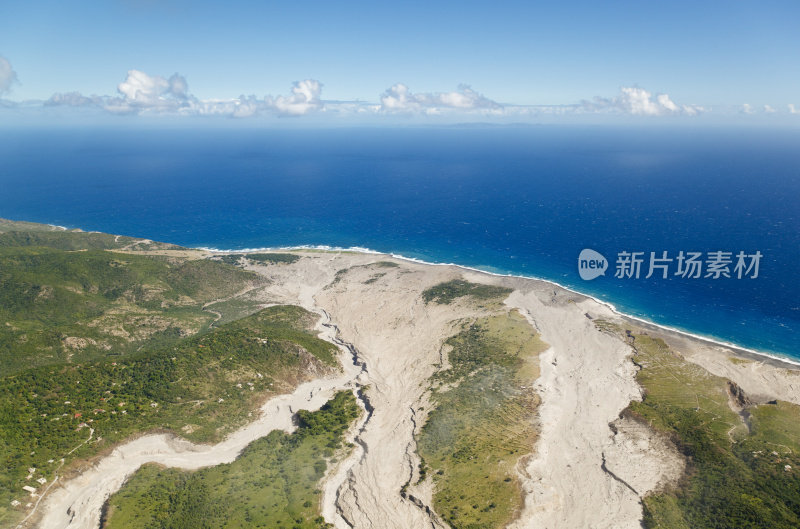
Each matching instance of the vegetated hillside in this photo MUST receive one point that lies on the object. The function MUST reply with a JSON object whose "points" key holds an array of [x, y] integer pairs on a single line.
{"points": [[17, 233], [202, 388], [272, 484], [743, 467], [482, 421], [70, 305], [103, 337]]}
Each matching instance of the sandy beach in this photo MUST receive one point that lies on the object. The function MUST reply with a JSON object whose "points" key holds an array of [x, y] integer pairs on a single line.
{"points": [[588, 468]]}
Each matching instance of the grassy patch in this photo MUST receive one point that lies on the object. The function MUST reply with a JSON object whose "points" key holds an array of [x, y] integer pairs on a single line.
{"points": [[608, 327], [263, 258], [374, 277], [739, 361], [378, 264], [777, 427], [482, 422], [234, 309], [736, 477], [272, 484], [673, 384], [385, 264], [273, 258], [209, 383], [233, 259], [446, 293]]}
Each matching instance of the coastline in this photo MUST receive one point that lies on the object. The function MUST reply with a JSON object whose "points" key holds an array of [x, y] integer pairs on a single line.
{"points": [[774, 358], [396, 339]]}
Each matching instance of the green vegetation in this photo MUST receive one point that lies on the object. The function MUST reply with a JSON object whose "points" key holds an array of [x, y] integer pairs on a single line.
{"points": [[234, 308], [737, 475], [446, 293], [739, 361], [263, 258], [98, 336], [234, 259], [272, 484], [59, 306], [273, 258], [672, 384], [20, 225], [17, 234], [374, 277], [378, 264], [63, 240], [482, 422], [202, 387]]}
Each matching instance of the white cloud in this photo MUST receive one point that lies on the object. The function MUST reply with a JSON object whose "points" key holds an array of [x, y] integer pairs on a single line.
{"points": [[305, 99], [666, 103], [639, 102], [142, 88], [399, 98], [142, 93], [7, 75], [768, 109], [747, 109], [792, 109]]}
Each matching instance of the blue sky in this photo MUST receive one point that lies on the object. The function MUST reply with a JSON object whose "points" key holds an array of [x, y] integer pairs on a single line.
{"points": [[705, 57]]}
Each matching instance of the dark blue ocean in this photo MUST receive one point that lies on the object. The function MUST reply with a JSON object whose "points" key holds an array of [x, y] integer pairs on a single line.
{"points": [[521, 200]]}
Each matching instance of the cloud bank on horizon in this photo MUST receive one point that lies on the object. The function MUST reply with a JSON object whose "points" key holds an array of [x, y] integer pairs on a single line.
{"points": [[400, 99], [143, 94], [639, 102]]}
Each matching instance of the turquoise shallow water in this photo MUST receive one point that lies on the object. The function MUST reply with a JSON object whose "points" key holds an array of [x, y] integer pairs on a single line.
{"points": [[521, 200]]}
